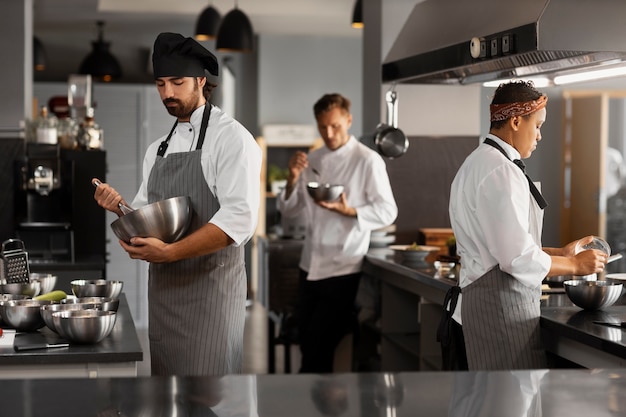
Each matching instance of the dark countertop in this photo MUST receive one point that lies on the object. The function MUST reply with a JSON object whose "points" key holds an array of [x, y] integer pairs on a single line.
{"points": [[538, 393], [122, 345], [560, 318]]}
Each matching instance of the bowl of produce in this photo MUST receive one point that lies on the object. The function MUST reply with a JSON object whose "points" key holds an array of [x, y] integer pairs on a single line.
{"points": [[102, 303], [167, 220], [46, 281], [593, 295], [47, 310], [24, 315], [30, 289], [84, 326], [324, 192], [413, 253], [96, 288]]}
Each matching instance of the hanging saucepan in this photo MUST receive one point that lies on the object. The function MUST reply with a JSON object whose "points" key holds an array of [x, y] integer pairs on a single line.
{"points": [[390, 141]]}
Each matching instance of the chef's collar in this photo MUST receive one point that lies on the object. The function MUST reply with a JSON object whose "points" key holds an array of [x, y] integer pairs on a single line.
{"points": [[511, 152], [177, 56]]}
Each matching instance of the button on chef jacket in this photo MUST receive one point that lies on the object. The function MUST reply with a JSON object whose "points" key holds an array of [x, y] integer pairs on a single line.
{"points": [[231, 164], [336, 244], [489, 212]]}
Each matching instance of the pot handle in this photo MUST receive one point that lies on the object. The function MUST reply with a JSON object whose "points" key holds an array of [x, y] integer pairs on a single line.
{"points": [[392, 111]]}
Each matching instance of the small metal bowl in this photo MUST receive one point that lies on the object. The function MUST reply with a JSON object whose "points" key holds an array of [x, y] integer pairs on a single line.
{"points": [[593, 295], [103, 303], [96, 288], [8, 297], [48, 309], [324, 192], [24, 315], [30, 289], [84, 326], [47, 281]]}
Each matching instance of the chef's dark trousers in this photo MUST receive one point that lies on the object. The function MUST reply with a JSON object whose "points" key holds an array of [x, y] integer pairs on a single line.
{"points": [[326, 312]]}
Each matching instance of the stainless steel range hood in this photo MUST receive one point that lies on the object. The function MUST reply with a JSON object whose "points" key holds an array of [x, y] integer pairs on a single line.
{"points": [[464, 42]]}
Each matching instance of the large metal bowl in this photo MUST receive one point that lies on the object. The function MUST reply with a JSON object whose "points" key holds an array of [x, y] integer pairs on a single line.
{"points": [[593, 295], [82, 288], [102, 303], [30, 289], [167, 220], [84, 326], [324, 192], [24, 315], [8, 297], [47, 281], [47, 310]]}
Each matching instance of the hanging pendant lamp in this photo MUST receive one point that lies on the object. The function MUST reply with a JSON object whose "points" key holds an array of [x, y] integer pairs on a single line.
{"points": [[100, 63], [235, 33], [39, 55], [357, 14], [207, 24]]}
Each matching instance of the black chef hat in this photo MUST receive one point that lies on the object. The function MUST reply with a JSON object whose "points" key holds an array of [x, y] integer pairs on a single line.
{"points": [[177, 56]]}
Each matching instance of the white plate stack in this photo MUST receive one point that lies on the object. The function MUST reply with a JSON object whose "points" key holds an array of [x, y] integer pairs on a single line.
{"points": [[383, 237]]}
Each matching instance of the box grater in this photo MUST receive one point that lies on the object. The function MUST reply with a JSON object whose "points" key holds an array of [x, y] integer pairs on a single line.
{"points": [[15, 261]]}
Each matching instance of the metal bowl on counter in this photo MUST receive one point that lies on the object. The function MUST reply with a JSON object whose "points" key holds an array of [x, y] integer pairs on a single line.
{"points": [[46, 281], [30, 289], [84, 326], [102, 303], [324, 192], [593, 295], [8, 297], [48, 309], [24, 315], [96, 288], [167, 220]]}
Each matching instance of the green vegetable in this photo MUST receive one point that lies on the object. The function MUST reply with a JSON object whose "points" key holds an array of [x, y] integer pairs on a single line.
{"points": [[56, 295]]}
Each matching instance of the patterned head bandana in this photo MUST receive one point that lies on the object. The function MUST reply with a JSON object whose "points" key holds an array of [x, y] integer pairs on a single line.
{"points": [[507, 110]]}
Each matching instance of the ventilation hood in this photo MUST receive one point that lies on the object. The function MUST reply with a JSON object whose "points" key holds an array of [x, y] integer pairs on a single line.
{"points": [[464, 42]]}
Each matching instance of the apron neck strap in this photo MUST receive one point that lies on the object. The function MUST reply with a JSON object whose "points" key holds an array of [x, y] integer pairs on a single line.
{"points": [[203, 127]]}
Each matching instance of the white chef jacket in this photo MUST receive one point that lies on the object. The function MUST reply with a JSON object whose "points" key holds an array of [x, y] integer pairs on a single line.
{"points": [[336, 244], [231, 162], [489, 213]]}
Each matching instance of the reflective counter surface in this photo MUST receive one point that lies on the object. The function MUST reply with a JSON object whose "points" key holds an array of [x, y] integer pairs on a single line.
{"points": [[545, 393]]}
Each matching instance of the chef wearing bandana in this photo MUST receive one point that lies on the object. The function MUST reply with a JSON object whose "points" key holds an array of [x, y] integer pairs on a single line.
{"points": [[197, 285], [496, 214]]}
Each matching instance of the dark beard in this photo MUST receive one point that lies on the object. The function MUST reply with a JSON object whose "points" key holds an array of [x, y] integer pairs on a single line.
{"points": [[181, 111]]}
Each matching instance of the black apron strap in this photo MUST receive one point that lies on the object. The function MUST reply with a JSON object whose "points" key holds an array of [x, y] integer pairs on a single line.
{"points": [[520, 164], [203, 126]]}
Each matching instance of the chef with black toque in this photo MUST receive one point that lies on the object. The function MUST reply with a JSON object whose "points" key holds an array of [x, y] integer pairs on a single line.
{"points": [[197, 285]]}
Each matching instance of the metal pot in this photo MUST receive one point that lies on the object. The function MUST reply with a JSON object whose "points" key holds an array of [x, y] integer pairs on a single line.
{"points": [[390, 141]]}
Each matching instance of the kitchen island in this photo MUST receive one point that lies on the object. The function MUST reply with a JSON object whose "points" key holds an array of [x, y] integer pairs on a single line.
{"points": [[411, 303], [116, 355]]}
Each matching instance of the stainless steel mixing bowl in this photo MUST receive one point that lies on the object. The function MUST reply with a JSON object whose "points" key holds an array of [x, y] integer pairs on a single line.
{"points": [[96, 288], [24, 315], [324, 192], [167, 220], [103, 303], [593, 295], [47, 281], [30, 289], [47, 310], [84, 326]]}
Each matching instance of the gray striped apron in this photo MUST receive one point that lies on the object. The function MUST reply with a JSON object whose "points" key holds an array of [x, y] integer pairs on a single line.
{"points": [[196, 306], [501, 316]]}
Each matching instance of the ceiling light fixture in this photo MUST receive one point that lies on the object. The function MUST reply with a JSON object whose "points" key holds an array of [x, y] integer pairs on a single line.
{"points": [[39, 55], [591, 75], [235, 33], [207, 24], [100, 63], [357, 15]]}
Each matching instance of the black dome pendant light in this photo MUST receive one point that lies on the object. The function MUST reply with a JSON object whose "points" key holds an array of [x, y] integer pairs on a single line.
{"points": [[39, 55], [207, 24], [235, 33], [357, 14], [100, 63]]}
